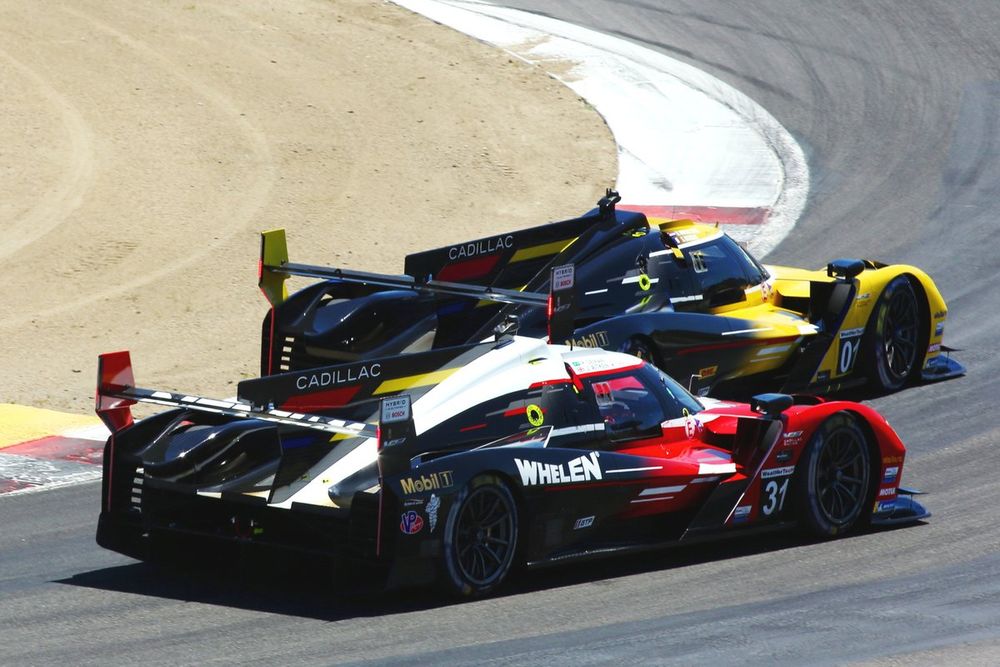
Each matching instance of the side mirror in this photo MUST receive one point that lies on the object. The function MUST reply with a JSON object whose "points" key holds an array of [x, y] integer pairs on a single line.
{"points": [[771, 405], [845, 268]]}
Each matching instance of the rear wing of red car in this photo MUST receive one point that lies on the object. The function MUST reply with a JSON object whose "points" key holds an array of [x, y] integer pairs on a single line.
{"points": [[117, 393]]}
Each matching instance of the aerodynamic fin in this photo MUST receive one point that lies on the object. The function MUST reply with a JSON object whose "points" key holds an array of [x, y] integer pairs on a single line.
{"points": [[273, 255], [114, 375], [116, 393], [275, 269], [329, 387], [522, 258], [561, 313]]}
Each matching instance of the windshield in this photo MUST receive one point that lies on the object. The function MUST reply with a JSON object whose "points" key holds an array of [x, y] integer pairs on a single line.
{"points": [[723, 270], [635, 402]]}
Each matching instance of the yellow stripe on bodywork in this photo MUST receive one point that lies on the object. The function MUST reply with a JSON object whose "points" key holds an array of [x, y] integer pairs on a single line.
{"points": [[421, 380], [541, 250], [21, 423]]}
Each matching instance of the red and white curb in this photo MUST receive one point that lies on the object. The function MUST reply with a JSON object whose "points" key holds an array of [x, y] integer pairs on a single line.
{"points": [[689, 145], [72, 457]]}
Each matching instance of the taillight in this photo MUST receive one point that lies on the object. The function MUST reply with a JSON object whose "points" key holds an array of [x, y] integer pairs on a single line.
{"points": [[549, 308]]}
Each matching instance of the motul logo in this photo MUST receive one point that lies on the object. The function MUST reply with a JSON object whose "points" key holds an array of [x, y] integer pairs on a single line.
{"points": [[581, 469]]}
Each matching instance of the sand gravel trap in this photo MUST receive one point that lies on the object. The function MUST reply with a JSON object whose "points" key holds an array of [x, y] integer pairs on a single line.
{"points": [[145, 144]]}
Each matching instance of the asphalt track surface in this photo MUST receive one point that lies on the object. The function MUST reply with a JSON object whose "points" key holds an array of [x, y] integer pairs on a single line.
{"points": [[898, 108]]}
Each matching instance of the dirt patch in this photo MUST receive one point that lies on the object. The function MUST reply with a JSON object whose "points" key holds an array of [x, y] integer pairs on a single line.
{"points": [[144, 145]]}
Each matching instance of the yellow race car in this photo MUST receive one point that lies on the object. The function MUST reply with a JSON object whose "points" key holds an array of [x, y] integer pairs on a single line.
{"points": [[679, 294]]}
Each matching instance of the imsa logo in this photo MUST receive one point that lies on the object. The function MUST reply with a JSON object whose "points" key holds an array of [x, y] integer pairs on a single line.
{"points": [[580, 469]]}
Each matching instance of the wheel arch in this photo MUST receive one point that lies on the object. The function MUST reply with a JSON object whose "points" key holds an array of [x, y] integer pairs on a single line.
{"points": [[929, 300], [874, 451], [923, 304]]}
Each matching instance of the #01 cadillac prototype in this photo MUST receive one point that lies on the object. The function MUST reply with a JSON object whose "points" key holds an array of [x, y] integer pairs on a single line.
{"points": [[457, 465], [679, 294]]}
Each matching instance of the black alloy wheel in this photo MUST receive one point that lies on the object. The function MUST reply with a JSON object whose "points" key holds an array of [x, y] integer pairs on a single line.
{"points": [[834, 484], [481, 537], [895, 336]]}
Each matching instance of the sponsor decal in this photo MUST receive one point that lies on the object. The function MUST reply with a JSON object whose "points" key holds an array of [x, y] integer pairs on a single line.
{"points": [[885, 506], [741, 513], [692, 426], [939, 329], [581, 469], [411, 523], [850, 343], [412, 502], [889, 476], [562, 277], [708, 372], [432, 482], [395, 409], [935, 347], [585, 522], [596, 339], [823, 376], [783, 455], [644, 282], [483, 247], [535, 415], [889, 460], [940, 315], [594, 365], [887, 492], [863, 297], [792, 438], [433, 505], [338, 376], [777, 472]]}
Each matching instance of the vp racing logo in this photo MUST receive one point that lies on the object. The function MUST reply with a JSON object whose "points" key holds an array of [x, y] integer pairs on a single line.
{"points": [[581, 469]]}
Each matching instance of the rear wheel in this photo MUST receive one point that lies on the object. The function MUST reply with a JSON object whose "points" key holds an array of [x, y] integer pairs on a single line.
{"points": [[480, 537], [892, 339], [833, 483]]}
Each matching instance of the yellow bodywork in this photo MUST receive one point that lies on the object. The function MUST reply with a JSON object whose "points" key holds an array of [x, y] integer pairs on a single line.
{"points": [[794, 283], [775, 308]]}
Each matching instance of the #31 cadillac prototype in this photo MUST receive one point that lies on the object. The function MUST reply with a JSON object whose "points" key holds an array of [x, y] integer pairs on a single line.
{"points": [[456, 465], [679, 294]]}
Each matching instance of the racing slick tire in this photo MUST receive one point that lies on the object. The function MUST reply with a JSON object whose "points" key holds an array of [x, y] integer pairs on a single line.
{"points": [[892, 340], [833, 485], [480, 537]]}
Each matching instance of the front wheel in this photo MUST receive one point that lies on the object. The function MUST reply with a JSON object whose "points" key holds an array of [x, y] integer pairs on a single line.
{"points": [[480, 537], [833, 483], [892, 339]]}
